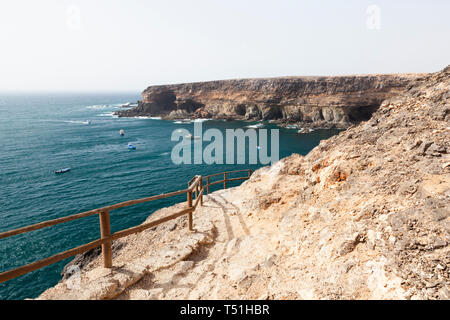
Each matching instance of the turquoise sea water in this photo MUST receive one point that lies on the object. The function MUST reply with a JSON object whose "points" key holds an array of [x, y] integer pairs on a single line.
{"points": [[40, 133]]}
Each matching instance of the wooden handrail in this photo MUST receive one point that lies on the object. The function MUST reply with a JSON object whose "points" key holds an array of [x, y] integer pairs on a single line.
{"points": [[48, 223], [195, 184], [145, 226], [11, 274], [235, 171], [51, 223], [133, 202], [199, 198], [190, 181]]}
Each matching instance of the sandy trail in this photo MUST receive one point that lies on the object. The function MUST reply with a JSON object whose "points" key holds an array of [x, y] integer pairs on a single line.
{"points": [[204, 271]]}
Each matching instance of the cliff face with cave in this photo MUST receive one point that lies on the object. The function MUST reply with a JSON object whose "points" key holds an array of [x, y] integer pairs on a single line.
{"points": [[310, 101]]}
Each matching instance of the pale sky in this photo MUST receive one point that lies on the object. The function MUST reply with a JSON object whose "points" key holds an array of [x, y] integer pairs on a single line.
{"points": [[111, 45]]}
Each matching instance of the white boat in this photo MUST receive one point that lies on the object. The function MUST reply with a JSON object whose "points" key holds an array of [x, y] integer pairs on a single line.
{"points": [[64, 170], [190, 136], [305, 130], [256, 126]]}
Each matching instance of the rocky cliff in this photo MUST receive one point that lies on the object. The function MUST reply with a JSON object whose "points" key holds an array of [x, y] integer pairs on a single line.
{"points": [[308, 101], [365, 215]]}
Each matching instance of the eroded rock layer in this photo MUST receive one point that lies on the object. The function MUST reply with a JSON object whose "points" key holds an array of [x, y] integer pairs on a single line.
{"points": [[365, 215], [310, 101]]}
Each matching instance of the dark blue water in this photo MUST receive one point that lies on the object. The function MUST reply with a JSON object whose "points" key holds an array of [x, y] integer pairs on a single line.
{"points": [[42, 133]]}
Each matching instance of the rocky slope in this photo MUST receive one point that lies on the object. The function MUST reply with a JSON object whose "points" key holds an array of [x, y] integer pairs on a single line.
{"points": [[308, 101], [365, 215]]}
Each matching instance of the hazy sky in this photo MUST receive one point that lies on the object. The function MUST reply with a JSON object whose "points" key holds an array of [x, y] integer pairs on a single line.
{"points": [[124, 45]]}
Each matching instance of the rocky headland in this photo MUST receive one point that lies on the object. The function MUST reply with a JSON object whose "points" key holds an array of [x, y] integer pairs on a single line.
{"points": [[365, 215], [338, 101]]}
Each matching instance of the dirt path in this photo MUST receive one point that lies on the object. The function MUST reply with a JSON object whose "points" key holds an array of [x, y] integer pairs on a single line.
{"points": [[204, 270]]}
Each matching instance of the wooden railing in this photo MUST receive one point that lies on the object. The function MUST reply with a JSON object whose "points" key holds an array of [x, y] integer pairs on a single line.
{"points": [[195, 185]]}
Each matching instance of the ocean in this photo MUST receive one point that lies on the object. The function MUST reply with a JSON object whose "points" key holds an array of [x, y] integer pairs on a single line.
{"points": [[41, 133]]}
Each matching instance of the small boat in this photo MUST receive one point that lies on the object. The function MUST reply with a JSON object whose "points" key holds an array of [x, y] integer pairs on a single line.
{"points": [[64, 170], [305, 130], [122, 133], [256, 126], [131, 147], [183, 121], [190, 136]]}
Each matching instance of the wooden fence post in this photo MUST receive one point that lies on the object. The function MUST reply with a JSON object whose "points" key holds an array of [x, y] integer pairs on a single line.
{"points": [[207, 184], [196, 188], [189, 204], [249, 172], [225, 180], [201, 191], [105, 232]]}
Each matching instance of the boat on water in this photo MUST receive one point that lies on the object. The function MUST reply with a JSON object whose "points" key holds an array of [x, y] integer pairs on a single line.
{"points": [[183, 121], [305, 130], [122, 132], [64, 170], [190, 136], [256, 126], [131, 146]]}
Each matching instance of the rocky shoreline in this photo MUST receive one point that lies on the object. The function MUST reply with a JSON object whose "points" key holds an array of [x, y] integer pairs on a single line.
{"points": [[308, 102], [365, 215]]}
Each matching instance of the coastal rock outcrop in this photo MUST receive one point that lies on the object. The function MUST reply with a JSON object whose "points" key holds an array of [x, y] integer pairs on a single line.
{"points": [[365, 215], [308, 101]]}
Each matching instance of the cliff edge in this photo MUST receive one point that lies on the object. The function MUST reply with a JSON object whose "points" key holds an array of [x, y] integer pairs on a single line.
{"points": [[325, 102], [365, 215]]}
